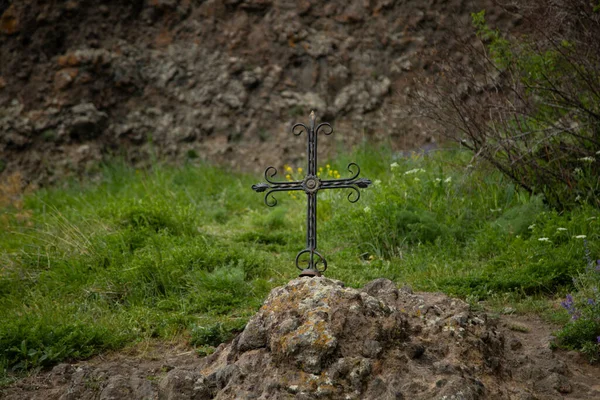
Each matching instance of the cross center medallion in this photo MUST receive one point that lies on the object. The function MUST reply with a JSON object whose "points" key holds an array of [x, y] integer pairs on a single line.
{"points": [[311, 184]]}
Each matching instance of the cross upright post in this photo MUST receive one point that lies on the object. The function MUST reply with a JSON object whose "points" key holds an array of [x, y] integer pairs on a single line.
{"points": [[311, 184]]}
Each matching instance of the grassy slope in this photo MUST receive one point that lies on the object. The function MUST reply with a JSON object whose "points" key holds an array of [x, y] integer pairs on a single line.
{"points": [[192, 252]]}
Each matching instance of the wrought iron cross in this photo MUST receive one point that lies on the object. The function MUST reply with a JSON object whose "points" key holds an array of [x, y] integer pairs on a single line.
{"points": [[311, 184]]}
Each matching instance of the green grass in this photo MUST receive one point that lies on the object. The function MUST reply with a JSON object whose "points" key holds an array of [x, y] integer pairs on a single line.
{"points": [[192, 252]]}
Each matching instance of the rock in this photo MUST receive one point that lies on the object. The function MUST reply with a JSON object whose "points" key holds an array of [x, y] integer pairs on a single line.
{"points": [[86, 122], [181, 384], [361, 97], [9, 21], [314, 338], [205, 62], [64, 78]]}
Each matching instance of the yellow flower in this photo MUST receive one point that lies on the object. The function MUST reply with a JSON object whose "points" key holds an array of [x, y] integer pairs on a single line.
{"points": [[288, 177], [300, 170], [287, 168], [328, 166]]}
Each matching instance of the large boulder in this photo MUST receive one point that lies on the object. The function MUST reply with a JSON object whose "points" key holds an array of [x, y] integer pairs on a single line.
{"points": [[316, 338]]}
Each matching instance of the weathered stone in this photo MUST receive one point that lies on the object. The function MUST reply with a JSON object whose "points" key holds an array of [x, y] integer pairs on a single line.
{"points": [[9, 21], [64, 78], [325, 340], [87, 121]]}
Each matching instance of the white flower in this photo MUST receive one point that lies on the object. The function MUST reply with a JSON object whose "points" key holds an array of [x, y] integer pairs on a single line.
{"points": [[417, 179], [377, 182], [367, 209], [448, 179], [438, 180], [544, 239], [580, 237], [587, 159], [394, 165], [414, 171], [531, 226], [561, 229]]}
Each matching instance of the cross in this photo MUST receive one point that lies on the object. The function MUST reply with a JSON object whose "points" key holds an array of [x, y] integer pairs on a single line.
{"points": [[311, 184]]}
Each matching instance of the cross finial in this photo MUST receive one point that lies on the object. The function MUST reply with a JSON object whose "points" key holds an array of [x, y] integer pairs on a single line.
{"points": [[311, 184]]}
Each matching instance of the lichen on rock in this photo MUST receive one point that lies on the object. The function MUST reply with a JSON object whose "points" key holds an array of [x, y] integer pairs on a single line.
{"points": [[316, 338]]}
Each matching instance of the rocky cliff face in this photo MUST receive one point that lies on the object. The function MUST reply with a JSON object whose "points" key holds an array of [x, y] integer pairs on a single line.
{"points": [[316, 339], [218, 79]]}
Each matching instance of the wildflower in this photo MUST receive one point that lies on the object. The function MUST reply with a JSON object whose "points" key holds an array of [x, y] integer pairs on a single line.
{"points": [[438, 180], [587, 159], [568, 304], [561, 229], [417, 179], [414, 171], [367, 209], [598, 339], [448, 179], [377, 182], [287, 168], [580, 237], [530, 227], [544, 239], [591, 302], [328, 166], [300, 170], [288, 177], [392, 165]]}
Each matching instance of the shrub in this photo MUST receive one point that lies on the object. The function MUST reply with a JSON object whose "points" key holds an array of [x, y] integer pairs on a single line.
{"points": [[583, 331], [531, 104]]}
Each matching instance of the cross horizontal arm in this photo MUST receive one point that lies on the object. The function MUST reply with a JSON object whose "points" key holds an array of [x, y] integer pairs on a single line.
{"points": [[354, 196], [343, 183], [277, 187], [270, 200]]}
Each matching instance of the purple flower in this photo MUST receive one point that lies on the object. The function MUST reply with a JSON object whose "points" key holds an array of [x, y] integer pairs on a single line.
{"points": [[569, 305], [598, 339], [597, 265], [591, 302]]}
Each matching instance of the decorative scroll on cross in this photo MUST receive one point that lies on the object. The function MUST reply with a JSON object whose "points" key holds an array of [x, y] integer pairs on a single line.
{"points": [[311, 185]]}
